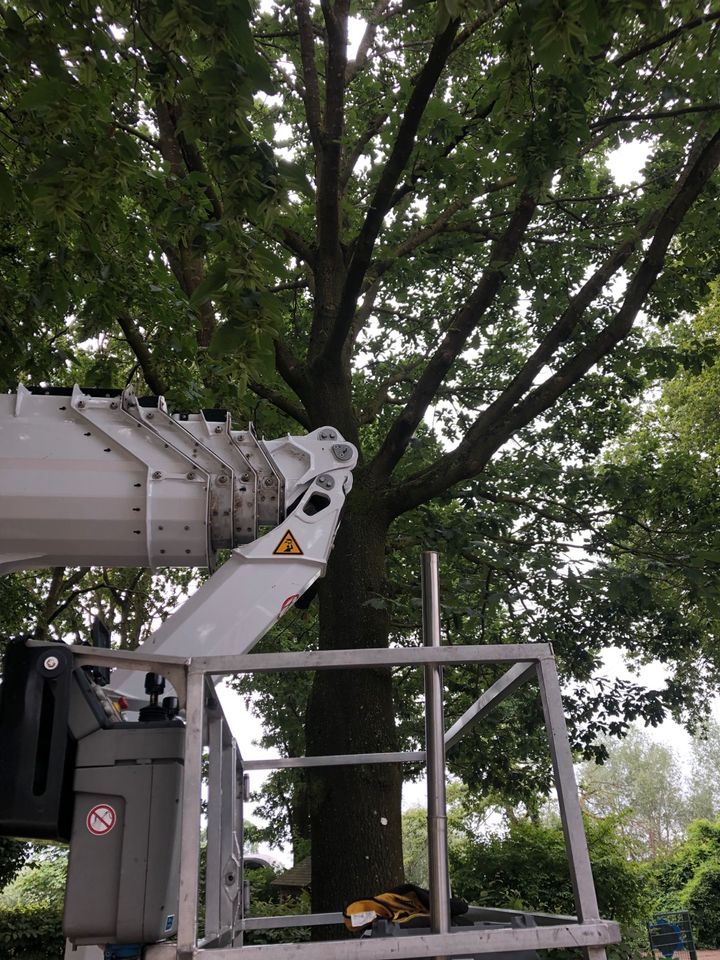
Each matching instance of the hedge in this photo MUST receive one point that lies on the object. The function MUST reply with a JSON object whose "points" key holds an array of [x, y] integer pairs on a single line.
{"points": [[32, 932]]}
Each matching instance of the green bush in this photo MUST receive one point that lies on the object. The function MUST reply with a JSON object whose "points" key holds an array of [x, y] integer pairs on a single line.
{"points": [[689, 879], [701, 897], [264, 908], [32, 932], [528, 869]]}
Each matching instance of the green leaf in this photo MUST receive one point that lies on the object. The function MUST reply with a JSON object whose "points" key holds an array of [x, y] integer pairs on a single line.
{"points": [[210, 286], [7, 190], [43, 93], [227, 339]]}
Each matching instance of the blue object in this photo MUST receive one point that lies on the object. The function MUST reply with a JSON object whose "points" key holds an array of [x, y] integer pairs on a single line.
{"points": [[672, 937], [123, 951]]}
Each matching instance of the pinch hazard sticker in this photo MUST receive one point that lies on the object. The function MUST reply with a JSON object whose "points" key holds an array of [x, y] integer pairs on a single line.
{"points": [[101, 819], [288, 546]]}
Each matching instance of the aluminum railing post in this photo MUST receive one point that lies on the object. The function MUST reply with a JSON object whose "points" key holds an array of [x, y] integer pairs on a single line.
{"points": [[214, 860], [568, 802], [190, 825], [435, 750]]}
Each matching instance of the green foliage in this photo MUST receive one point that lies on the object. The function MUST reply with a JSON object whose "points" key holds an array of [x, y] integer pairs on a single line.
{"points": [[31, 908], [689, 878], [461, 815], [289, 907], [701, 897], [167, 220], [265, 901], [655, 797], [32, 932], [661, 569], [528, 869], [42, 881], [61, 604], [13, 854], [86, 180]]}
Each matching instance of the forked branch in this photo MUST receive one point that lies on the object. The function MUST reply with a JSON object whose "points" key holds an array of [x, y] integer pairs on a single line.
{"points": [[487, 434], [461, 326]]}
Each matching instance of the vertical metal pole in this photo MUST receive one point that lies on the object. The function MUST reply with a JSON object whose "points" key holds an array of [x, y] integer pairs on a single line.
{"points": [[435, 748], [230, 865], [239, 795], [214, 861], [570, 813], [190, 824]]}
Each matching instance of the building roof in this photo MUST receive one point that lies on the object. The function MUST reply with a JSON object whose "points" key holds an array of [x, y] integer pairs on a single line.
{"points": [[297, 876]]}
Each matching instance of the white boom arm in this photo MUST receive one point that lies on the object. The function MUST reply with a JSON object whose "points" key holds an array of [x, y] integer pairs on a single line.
{"points": [[110, 480]]}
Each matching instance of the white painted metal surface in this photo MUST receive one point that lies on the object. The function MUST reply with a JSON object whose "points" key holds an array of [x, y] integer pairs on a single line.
{"points": [[112, 481]]}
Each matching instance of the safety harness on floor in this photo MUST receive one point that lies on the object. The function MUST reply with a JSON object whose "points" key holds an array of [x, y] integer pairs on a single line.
{"points": [[407, 905]]}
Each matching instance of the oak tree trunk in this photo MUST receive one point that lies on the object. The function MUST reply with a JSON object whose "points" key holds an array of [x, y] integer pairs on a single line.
{"points": [[351, 711]]}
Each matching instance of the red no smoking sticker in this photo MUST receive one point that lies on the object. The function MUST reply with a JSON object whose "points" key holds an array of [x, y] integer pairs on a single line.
{"points": [[101, 819]]}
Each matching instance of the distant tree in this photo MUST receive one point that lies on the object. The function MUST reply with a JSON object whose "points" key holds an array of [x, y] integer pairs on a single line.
{"points": [[641, 785], [704, 779], [42, 881]]}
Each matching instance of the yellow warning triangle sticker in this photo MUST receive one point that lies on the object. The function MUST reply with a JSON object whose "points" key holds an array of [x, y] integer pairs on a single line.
{"points": [[288, 546]]}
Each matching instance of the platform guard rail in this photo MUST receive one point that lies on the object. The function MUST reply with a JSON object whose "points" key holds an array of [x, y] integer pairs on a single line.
{"points": [[225, 907]]}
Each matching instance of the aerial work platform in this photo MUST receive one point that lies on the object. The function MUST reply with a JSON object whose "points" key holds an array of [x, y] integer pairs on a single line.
{"points": [[226, 916], [95, 477]]}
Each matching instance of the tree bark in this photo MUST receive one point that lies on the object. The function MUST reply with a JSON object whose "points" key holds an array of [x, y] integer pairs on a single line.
{"points": [[352, 711]]}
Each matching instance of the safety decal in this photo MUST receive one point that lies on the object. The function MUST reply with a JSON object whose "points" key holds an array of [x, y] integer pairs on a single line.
{"points": [[288, 546], [101, 819], [170, 920]]}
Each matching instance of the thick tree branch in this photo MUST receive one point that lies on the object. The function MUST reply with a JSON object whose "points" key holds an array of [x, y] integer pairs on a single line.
{"points": [[351, 158], [187, 264], [311, 91], [564, 326], [368, 38], [410, 244], [373, 408], [283, 403], [295, 244], [51, 603], [195, 164], [470, 29], [656, 115], [182, 155], [462, 324], [72, 597], [329, 266], [694, 179], [665, 38], [138, 344], [365, 308], [485, 436], [290, 368], [138, 134], [328, 171], [381, 201], [421, 168], [188, 267]]}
